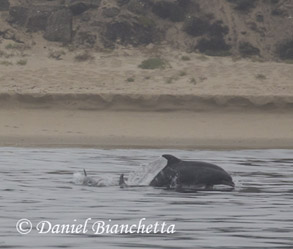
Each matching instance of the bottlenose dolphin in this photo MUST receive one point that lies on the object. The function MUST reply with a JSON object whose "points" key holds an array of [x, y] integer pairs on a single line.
{"points": [[178, 174]]}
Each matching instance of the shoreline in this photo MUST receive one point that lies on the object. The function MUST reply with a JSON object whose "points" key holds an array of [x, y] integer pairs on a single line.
{"points": [[145, 102], [213, 145], [109, 102], [217, 129]]}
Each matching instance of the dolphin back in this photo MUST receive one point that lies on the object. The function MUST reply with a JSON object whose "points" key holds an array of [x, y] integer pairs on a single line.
{"points": [[180, 173]]}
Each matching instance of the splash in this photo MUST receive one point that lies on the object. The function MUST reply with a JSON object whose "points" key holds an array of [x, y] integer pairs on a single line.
{"points": [[81, 179], [140, 177], [146, 173]]}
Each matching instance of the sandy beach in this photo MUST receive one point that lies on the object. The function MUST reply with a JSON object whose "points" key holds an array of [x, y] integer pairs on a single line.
{"points": [[205, 102], [110, 129]]}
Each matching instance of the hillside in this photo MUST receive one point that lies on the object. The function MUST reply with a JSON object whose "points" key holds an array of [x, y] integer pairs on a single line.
{"points": [[217, 27]]}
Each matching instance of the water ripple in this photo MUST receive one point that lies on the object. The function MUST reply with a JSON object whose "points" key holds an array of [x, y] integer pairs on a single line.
{"points": [[37, 184]]}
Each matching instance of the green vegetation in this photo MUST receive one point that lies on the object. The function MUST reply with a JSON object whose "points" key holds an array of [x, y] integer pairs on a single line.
{"points": [[193, 81], [260, 77], [12, 46], [259, 18], [182, 73], [170, 80], [202, 78], [6, 55], [285, 50], [196, 26], [243, 5], [130, 79], [85, 56], [21, 62], [278, 12], [222, 53], [214, 47], [202, 57], [146, 22], [16, 46], [153, 63], [185, 58], [246, 49], [57, 55], [289, 61], [174, 11], [6, 63], [257, 59]]}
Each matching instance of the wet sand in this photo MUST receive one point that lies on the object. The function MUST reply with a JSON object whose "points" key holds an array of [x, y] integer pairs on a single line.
{"points": [[131, 129]]}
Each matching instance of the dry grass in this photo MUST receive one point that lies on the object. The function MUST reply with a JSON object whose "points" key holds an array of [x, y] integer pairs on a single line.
{"points": [[85, 56], [260, 76], [21, 62], [6, 63]]}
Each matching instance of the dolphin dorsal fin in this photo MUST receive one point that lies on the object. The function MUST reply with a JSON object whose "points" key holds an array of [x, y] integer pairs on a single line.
{"points": [[171, 159], [122, 182], [85, 174]]}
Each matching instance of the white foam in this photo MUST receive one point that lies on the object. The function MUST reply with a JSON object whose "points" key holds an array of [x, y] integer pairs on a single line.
{"points": [[81, 179], [78, 178], [140, 177]]}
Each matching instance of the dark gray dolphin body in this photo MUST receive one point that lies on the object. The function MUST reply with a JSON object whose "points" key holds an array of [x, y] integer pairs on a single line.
{"points": [[178, 173]]}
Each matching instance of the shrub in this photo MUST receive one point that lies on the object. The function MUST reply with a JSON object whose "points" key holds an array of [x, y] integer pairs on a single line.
{"points": [[202, 57], [182, 73], [175, 11], [171, 79], [193, 81], [130, 79], [12, 46], [85, 56], [217, 29], [243, 5], [259, 18], [285, 50], [246, 49], [16, 46], [278, 12], [260, 76], [213, 47], [127, 32], [6, 63], [146, 22], [185, 58], [202, 78], [153, 63], [289, 61], [21, 62], [6, 55], [57, 55], [195, 26]]}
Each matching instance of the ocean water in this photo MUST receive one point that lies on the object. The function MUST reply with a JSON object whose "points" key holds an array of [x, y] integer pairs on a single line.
{"points": [[41, 186]]}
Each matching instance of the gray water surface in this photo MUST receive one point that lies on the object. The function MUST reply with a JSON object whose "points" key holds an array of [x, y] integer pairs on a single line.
{"points": [[37, 184]]}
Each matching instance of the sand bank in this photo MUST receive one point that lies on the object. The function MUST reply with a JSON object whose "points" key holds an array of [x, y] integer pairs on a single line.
{"points": [[146, 102], [132, 129]]}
